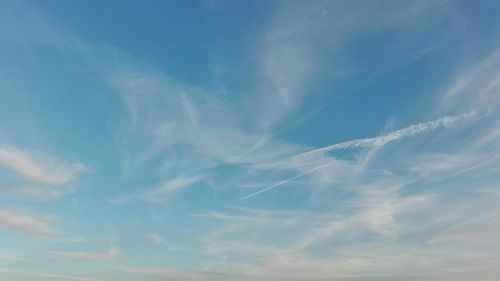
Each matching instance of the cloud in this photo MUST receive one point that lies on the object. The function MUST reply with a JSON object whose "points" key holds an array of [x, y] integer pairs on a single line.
{"points": [[475, 87], [490, 190], [345, 254], [159, 194], [175, 274], [376, 213], [367, 142], [49, 276], [277, 245], [395, 135], [286, 180], [22, 24], [37, 167], [42, 193], [359, 234], [15, 258], [163, 192], [482, 230], [155, 239], [308, 46], [32, 225], [111, 254], [382, 206]]}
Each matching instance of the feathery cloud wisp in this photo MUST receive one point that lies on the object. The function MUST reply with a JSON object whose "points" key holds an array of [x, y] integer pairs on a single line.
{"points": [[26, 223], [15, 258], [37, 167], [111, 254], [49, 276], [173, 274], [395, 135], [159, 194], [368, 142]]}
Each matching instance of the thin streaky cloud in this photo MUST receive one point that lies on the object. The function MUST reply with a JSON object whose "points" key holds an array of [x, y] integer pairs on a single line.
{"points": [[163, 192], [49, 275], [25, 223], [181, 143], [395, 135], [38, 167], [368, 142], [159, 194], [289, 179], [15, 258], [111, 254], [175, 274], [39, 193]]}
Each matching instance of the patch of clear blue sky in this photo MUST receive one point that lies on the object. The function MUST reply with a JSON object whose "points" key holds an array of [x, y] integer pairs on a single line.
{"points": [[179, 37]]}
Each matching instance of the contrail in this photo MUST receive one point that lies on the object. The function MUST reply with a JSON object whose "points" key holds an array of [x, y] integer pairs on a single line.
{"points": [[292, 178], [367, 142], [394, 135]]}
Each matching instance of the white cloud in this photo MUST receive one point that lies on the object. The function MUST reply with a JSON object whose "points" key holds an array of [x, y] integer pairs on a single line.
{"points": [[42, 193], [33, 225], [37, 167], [176, 274], [475, 87], [159, 194], [367, 142], [276, 185], [15, 258], [377, 212], [395, 135], [155, 239], [163, 192], [49, 276], [111, 254]]}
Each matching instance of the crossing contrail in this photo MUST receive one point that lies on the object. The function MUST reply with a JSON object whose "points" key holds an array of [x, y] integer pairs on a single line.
{"points": [[367, 142], [285, 181]]}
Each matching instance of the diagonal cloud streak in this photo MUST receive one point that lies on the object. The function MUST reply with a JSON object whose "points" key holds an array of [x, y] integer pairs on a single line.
{"points": [[289, 179], [49, 275], [367, 142], [39, 168], [111, 254], [395, 135]]}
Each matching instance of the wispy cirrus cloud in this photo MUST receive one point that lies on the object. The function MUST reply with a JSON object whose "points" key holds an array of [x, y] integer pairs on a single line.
{"points": [[37, 167], [175, 274], [363, 143], [37, 175], [42, 193], [361, 217], [49, 276], [379, 207], [159, 194], [111, 254], [395, 135], [475, 87], [28, 224], [15, 258]]}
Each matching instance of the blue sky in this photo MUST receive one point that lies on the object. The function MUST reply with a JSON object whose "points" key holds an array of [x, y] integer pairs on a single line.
{"points": [[249, 140]]}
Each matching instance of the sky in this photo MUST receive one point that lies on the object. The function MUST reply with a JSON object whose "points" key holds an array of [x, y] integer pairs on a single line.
{"points": [[249, 140]]}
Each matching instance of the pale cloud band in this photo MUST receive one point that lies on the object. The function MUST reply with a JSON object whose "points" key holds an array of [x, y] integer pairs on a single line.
{"points": [[395, 135], [29, 224], [111, 254], [48, 276], [38, 167]]}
